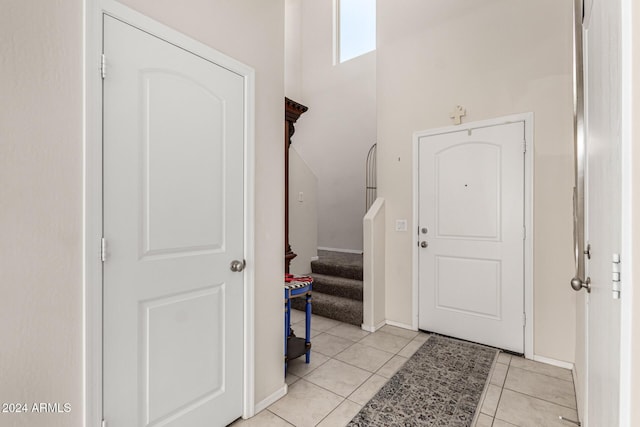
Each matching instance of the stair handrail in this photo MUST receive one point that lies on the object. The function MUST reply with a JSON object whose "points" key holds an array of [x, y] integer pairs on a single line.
{"points": [[371, 184]]}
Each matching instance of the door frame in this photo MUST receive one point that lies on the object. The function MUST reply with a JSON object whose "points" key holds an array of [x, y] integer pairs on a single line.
{"points": [[527, 119], [94, 10]]}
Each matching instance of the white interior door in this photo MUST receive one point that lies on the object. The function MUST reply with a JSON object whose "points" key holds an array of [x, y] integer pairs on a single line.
{"points": [[173, 222], [603, 208], [471, 213]]}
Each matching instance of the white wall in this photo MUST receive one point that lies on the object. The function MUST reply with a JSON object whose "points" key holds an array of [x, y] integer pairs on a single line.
{"points": [[374, 289], [293, 49], [333, 137], [41, 208], [495, 57], [303, 215], [41, 188]]}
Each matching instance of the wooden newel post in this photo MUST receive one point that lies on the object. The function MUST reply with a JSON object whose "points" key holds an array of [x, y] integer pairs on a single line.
{"points": [[292, 110]]}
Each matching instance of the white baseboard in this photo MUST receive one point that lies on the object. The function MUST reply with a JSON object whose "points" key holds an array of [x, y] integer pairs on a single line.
{"points": [[347, 251], [401, 325], [369, 328], [554, 362], [273, 397]]}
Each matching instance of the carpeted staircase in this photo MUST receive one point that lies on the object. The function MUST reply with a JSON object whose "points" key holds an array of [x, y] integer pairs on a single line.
{"points": [[337, 287]]}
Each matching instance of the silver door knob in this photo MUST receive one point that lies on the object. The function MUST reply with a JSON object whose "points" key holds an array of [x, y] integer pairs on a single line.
{"points": [[577, 284], [423, 244], [237, 266]]}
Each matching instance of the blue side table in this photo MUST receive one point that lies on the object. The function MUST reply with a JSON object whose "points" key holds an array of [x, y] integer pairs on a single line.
{"points": [[295, 287]]}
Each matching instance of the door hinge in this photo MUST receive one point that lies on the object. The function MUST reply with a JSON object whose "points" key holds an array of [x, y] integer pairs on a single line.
{"points": [[524, 146], [615, 277], [524, 319], [103, 249], [524, 233], [103, 66]]}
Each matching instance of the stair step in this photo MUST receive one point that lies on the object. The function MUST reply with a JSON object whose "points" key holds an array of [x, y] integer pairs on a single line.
{"points": [[338, 286], [337, 308], [338, 264]]}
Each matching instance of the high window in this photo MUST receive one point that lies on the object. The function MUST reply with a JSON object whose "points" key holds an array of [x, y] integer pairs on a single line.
{"points": [[355, 28]]}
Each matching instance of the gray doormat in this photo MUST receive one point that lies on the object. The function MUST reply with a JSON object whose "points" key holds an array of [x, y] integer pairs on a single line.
{"points": [[440, 385]]}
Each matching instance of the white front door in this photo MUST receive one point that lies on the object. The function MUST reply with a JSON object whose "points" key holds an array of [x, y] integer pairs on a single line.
{"points": [[173, 222], [603, 112], [471, 223]]}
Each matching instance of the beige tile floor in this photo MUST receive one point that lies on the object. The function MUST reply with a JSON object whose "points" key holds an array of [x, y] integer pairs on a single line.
{"points": [[527, 393], [348, 367]]}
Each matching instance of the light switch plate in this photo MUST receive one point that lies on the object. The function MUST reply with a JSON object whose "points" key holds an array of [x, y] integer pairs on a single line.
{"points": [[401, 225]]}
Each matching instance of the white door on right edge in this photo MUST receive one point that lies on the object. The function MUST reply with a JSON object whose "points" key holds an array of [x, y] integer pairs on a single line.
{"points": [[603, 208], [471, 213]]}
